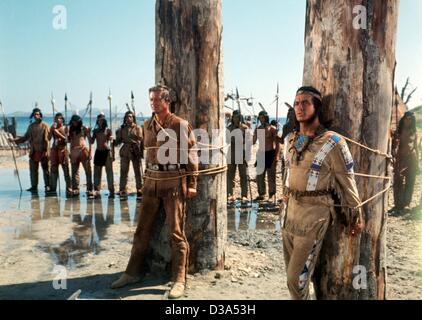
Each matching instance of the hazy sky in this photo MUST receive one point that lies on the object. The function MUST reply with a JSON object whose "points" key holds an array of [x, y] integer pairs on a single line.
{"points": [[110, 44]]}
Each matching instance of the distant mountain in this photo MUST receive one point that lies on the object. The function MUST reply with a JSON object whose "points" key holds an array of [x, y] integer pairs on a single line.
{"points": [[95, 112]]}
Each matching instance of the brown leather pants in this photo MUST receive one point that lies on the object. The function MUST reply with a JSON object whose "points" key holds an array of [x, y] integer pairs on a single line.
{"points": [[175, 215]]}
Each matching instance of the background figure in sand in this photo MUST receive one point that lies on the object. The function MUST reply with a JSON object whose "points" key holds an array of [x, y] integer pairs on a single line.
{"points": [[79, 154], [59, 155], [269, 148], [405, 150], [37, 135], [288, 128], [130, 134], [237, 123], [103, 158]]}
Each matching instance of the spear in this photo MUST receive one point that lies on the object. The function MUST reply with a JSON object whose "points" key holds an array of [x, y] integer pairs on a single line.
{"points": [[262, 107], [65, 108], [238, 100], [140, 147], [53, 105], [133, 103], [90, 123], [11, 146], [110, 97], [288, 105], [277, 98]]}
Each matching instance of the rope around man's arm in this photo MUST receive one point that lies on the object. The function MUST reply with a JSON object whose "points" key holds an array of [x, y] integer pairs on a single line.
{"points": [[378, 152]]}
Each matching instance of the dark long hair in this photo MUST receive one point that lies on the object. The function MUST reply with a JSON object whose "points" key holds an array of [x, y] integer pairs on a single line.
{"points": [[59, 115], [34, 111], [236, 113], [265, 114], [412, 128], [290, 125], [99, 127], [78, 128], [320, 108], [125, 118]]}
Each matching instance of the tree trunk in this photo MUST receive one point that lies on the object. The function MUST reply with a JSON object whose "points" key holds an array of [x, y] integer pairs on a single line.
{"points": [[189, 60], [354, 68]]}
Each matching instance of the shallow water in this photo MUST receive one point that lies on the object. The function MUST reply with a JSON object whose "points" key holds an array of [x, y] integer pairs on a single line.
{"points": [[88, 220], [69, 229], [250, 217]]}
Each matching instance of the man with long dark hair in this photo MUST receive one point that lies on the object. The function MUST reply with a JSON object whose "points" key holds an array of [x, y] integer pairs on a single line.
{"points": [[130, 135], [319, 171], [237, 125], [268, 152], [79, 154], [103, 158], [37, 135], [59, 155], [405, 150]]}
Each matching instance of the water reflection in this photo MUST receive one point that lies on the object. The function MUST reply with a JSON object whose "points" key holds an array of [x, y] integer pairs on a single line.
{"points": [[251, 218], [72, 228], [85, 221]]}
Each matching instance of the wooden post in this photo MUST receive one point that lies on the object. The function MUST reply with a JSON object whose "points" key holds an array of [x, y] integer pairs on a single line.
{"points": [[350, 57], [189, 60]]}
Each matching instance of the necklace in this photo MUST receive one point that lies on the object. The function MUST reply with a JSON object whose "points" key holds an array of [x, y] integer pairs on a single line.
{"points": [[300, 145]]}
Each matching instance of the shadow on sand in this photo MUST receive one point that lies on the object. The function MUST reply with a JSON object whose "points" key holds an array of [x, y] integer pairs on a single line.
{"points": [[92, 287]]}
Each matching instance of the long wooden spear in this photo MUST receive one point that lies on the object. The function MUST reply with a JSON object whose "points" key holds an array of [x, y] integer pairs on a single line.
{"points": [[132, 97], [110, 97], [277, 98], [53, 105], [238, 100], [11, 145], [90, 125], [141, 146], [65, 108]]}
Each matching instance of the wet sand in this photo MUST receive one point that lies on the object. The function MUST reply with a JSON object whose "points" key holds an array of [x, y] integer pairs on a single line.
{"points": [[92, 240]]}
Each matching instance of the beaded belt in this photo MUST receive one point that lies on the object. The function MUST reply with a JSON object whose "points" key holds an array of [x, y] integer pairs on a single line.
{"points": [[300, 194]]}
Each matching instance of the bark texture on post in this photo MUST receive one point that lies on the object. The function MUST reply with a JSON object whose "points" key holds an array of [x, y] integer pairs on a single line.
{"points": [[354, 68], [189, 60]]}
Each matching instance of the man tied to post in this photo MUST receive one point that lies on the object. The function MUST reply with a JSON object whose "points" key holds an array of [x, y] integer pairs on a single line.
{"points": [[37, 135], [167, 185], [319, 169]]}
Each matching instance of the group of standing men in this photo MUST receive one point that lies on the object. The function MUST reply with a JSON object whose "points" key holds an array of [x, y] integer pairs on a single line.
{"points": [[72, 144], [268, 155]]}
